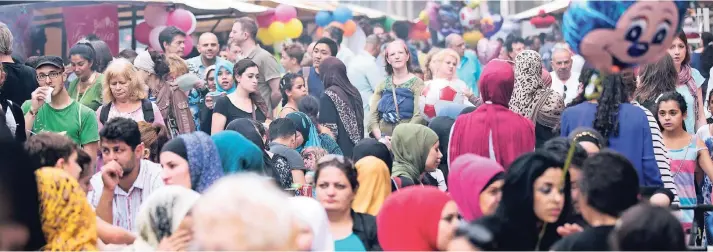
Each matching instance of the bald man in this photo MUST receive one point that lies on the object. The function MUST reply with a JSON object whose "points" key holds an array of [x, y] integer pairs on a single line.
{"points": [[469, 68], [364, 74], [209, 48], [564, 80]]}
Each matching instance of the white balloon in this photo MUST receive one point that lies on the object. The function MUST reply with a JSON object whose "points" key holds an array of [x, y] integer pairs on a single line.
{"points": [[153, 38]]}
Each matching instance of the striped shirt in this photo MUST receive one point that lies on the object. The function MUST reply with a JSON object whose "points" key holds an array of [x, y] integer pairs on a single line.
{"points": [[684, 164], [660, 153], [126, 205]]}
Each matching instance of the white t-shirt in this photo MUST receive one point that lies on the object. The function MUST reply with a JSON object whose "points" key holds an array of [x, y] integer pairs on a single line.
{"points": [[572, 85]]}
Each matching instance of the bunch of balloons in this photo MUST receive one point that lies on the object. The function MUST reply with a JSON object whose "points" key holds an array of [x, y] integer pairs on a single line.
{"points": [[542, 20], [157, 18], [419, 30], [340, 17], [278, 24]]}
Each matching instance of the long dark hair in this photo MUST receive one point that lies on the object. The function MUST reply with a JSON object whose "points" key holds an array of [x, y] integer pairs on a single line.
{"points": [[102, 54], [256, 98], [85, 50], [614, 93], [687, 59], [672, 96], [286, 83], [656, 78], [584, 78]]}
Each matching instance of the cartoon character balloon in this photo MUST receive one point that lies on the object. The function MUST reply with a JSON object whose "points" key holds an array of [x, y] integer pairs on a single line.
{"points": [[615, 35], [450, 23]]}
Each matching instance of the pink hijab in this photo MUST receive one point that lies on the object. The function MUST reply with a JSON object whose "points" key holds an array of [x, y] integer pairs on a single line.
{"points": [[469, 174]]}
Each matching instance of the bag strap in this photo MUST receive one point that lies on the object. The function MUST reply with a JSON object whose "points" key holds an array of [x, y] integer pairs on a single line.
{"points": [[538, 105], [396, 103], [254, 111], [104, 114], [305, 74], [147, 108], [397, 184]]}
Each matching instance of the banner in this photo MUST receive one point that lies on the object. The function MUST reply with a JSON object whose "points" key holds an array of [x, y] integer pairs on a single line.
{"points": [[19, 20], [101, 20]]}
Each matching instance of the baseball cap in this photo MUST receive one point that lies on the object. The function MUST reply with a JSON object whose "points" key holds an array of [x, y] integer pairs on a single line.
{"points": [[50, 60]]}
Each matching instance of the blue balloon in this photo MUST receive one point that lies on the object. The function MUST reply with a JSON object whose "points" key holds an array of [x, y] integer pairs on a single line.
{"points": [[323, 18], [342, 14]]}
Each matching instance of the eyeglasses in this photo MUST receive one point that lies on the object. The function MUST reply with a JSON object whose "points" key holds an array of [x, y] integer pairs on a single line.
{"points": [[43, 77]]}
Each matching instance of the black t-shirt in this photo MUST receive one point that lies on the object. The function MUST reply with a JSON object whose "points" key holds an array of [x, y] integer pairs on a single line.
{"points": [[226, 108], [20, 81], [591, 239]]}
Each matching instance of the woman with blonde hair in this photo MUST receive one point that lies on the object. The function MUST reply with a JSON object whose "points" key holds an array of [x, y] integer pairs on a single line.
{"points": [[428, 64], [445, 63], [172, 101], [125, 96]]}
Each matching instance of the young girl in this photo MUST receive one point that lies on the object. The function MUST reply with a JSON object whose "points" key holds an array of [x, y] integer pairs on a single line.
{"points": [[292, 88], [688, 153]]}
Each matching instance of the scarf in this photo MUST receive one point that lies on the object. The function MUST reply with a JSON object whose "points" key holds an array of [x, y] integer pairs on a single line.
{"points": [[202, 159], [411, 144], [493, 123], [311, 155], [374, 185], [246, 128], [468, 177], [207, 71], [372, 147], [68, 221], [144, 62], [219, 65], [306, 128], [161, 215], [685, 78], [309, 211], [346, 98], [237, 153], [409, 219], [530, 90]]}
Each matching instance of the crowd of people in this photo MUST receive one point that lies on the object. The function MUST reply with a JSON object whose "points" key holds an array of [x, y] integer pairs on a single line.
{"points": [[329, 149]]}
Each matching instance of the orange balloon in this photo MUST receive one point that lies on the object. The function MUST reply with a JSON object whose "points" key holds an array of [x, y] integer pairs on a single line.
{"points": [[350, 28], [319, 32], [337, 24]]}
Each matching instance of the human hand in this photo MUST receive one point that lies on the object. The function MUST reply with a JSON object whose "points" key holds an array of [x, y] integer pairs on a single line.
{"points": [[178, 241], [111, 174], [569, 229], [38, 98]]}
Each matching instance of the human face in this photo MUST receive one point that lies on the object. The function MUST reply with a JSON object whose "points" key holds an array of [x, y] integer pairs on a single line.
{"points": [[299, 89], [210, 80], [517, 48], [119, 87], [562, 64], [175, 170], [70, 165], [321, 51], [84, 183], [574, 176], [299, 139], [82, 67], [122, 153], [670, 115], [678, 51], [378, 31], [226, 79], [396, 55], [549, 195], [286, 60], [176, 46], [248, 80], [235, 51], [589, 147], [237, 35], [334, 191], [490, 197], [447, 68], [434, 158], [458, 45], [50, 76], [447, 225], [208, 46]]}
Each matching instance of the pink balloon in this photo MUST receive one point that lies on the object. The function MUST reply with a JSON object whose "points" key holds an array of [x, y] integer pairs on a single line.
{"points": [[155, 15], [265, 19], [284, 13], [153, 38], [188, 46], [142, 32], [183, 20], [488, 50]]}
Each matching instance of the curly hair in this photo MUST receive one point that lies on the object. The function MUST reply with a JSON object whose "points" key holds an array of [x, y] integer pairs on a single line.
{"points": [[606, 119], [122, 68]]}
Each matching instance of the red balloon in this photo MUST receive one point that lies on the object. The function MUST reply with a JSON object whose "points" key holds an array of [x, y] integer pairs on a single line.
{"points": [[188, 46], [141, 32], [183, 20], [419, 26], [265, 19]]}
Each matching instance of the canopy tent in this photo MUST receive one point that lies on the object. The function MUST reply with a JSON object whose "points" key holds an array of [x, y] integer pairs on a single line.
{"points": [[556, 6]]}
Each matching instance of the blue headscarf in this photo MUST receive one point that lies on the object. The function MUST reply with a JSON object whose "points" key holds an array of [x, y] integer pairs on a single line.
{"points": [[224, 64], [308, 130], [237, 153], [202, 153]]}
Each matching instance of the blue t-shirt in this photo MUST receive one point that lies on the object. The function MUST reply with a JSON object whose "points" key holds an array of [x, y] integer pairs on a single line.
{"points": [[314, 84], [350, 243]]}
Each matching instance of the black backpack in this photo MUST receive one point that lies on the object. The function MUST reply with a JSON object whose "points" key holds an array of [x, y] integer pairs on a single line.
{"points": [[146, 107]]}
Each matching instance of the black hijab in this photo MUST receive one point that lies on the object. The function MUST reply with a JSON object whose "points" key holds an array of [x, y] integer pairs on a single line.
{"points": [[246, 127], [371, 147], [442, 126], [334, 76], [514, 224]]}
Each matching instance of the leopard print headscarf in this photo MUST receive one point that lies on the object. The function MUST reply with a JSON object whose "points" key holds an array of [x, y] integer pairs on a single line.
{"points": [[530, 89]]}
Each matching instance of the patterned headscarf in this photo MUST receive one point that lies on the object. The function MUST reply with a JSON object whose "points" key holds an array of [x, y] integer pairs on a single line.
{"points": [[311, 155], [202, 159], [161, 215], [530, 89], [68, 221]]}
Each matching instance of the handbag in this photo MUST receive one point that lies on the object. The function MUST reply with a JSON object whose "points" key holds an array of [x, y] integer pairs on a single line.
{"points": [[391, 117]]}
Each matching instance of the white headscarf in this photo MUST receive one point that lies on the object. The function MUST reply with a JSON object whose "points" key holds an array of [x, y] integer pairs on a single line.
{"points": [[144, 62], [311, 212], [163, 210]]}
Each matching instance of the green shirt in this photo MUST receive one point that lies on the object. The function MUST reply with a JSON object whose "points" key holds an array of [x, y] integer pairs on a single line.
{"points": [[92, 97], [76, 121]]}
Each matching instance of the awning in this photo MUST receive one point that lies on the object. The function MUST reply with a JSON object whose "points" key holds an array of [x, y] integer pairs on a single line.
{"points": [[551, 7], [306, 5], [371, 13], [223, 4]]}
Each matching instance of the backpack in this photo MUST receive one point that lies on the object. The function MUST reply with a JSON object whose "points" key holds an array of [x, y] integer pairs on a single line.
{"points": [[146, 107]]}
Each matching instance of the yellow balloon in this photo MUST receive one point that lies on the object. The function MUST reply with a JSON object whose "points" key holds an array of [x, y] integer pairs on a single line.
{"points": [[264, 35], [471, 38], [294, 28], [473, 4], [277, 31], [423, 16]]}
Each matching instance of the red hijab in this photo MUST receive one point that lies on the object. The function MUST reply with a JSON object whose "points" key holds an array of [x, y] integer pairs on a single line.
{"points": [[408, 219], [468, 176], [512, 134]]}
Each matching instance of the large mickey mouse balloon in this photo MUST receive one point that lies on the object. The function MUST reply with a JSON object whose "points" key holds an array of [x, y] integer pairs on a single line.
{"points": [[615, 35]]}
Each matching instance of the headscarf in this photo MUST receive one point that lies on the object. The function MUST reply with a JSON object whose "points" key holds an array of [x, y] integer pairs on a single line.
{"points": [[530, 89], [442, 126], [411, 144], [68, 221], [246, 128], [451, 110], [161, 215], [202, 158], [308, 130], [237, 153], [311, 155], [510, 134], [312, 213], [344, 95], [219, 65], [144, 62], [372, 147], [374, 185], [409, 218], [470, 175], [207, 71]]}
